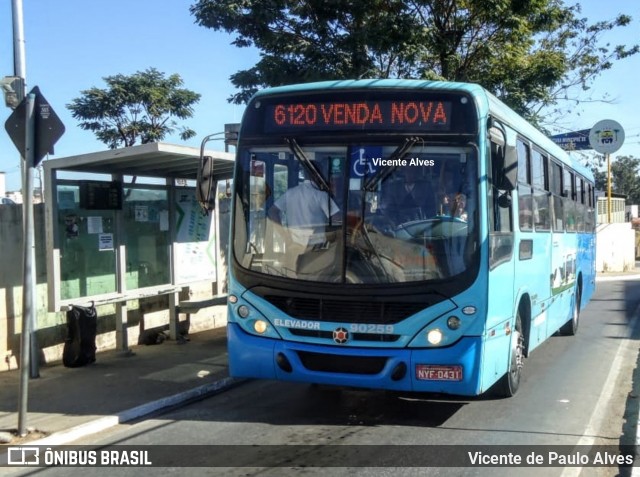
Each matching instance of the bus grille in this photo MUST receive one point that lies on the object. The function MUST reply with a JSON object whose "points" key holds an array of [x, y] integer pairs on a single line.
{"points": [[385, 338], [344, 311], [333, 363]]}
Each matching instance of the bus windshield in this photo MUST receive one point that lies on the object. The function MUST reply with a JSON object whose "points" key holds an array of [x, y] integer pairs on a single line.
{"points": [[357, 213]]}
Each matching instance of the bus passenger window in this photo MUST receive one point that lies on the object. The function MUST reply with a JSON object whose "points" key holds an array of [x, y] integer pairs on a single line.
{"points": [[540, 179], [556, 190], [525, 207], [525, 201], [568, 200]]}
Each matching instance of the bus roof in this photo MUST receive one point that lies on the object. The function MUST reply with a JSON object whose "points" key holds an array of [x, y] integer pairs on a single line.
{"points": [[372, 83], [486, 102]]}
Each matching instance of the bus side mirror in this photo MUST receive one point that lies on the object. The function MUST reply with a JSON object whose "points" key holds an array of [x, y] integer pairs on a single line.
{"points": [[206, 184], [504, 200]]}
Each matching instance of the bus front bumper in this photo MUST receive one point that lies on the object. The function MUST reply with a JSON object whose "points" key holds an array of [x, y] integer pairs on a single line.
{"points": [[451, 370]]}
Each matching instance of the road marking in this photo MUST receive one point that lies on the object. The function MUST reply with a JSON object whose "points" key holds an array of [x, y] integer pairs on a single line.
{"points": [[589, 436]]}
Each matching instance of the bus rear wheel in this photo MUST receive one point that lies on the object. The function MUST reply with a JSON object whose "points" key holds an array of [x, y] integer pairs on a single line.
{"points": [[510, 382]]}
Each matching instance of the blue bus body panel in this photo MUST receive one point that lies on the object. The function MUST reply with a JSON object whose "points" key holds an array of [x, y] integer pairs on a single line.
{"points": [[255, 357]]}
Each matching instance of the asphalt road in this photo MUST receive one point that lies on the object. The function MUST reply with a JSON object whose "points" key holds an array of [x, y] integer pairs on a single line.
{"points": [[581, 390]]}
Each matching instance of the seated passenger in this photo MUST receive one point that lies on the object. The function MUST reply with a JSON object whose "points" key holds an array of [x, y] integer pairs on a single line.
{"points": [[458, 208]]}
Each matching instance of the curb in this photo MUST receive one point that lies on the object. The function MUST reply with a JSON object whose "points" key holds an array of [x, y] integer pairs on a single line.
{"points": [[617, 278], [100, 424]]}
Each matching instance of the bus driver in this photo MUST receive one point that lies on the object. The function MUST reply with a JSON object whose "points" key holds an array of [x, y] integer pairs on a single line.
{"points": [[407, 199]]}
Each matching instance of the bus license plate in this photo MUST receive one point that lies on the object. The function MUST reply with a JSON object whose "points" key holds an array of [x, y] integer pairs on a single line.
{"points": [[428, 372]]}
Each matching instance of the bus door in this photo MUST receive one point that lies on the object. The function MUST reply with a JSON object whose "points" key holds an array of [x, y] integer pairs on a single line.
{"points": [[564, 245]]}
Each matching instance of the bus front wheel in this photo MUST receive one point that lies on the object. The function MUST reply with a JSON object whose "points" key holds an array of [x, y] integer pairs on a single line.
{"points": [[510, 382]]}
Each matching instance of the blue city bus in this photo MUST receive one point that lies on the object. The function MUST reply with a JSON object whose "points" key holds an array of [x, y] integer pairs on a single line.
{"points": [[403, 235]]}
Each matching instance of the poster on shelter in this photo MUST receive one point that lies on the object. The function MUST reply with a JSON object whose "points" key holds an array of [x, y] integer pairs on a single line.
{"points": [[105, 242], [195, 236]]}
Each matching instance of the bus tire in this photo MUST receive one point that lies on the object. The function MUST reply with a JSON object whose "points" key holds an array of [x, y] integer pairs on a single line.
{"points": [[570, 328], [510, 382]]}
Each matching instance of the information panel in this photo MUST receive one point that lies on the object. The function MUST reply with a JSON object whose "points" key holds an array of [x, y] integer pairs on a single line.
{"points": [[371, 111], [99, 195]]}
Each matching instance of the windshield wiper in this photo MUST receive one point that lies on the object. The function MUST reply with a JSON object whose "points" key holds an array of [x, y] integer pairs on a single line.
{"points": [[371, 184], [313, 174]]}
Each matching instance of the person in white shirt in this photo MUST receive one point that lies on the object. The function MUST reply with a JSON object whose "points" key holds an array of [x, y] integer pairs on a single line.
{"points": [[304, 207], [304, 211]]}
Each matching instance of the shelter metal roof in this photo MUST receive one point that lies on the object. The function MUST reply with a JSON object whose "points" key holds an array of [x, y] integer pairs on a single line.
{"points": [[155, 159]]}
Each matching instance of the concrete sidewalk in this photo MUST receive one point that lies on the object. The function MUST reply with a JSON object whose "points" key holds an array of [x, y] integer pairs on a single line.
{"points": [[65, 404], [633, 274]]}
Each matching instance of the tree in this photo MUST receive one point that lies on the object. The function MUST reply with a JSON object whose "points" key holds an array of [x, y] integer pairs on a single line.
{"points": [[625, 178], [600, 178], [135, 108], [531, 54]]}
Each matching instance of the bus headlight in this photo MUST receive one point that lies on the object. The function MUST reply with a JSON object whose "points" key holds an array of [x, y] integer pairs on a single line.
{"points": [[434, 336], [260, 326]]}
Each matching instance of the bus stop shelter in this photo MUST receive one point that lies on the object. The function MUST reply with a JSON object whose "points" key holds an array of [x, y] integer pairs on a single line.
{"points": [[124, 224]]}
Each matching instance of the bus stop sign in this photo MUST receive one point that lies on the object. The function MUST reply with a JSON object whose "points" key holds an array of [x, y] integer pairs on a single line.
{"points": [[606, 136], [48, 126]]}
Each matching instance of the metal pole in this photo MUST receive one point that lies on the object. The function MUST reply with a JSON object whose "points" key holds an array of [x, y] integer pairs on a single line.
{"points": [[28, 295], [19, 62], [20, 70], [608, 188]]}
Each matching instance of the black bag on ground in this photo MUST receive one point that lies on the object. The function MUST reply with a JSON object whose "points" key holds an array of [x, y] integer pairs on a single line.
{"points": [[80, 343]]}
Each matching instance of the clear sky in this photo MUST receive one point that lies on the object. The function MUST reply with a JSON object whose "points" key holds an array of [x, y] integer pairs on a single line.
{"points": [[72, 44]]}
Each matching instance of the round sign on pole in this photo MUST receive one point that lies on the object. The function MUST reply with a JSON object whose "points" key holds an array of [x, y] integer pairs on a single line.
{"points": [[606, 136]]}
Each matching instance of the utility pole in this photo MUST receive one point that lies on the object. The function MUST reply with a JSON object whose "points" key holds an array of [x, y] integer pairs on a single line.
{"points": [[28, 356]]}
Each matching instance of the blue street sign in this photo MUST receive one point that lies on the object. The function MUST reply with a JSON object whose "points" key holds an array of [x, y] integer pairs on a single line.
{"points": [[573, 141]]}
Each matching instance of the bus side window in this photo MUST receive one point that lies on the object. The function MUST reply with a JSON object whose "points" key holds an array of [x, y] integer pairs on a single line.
{"points": [[557, 192], [501, 214], [525, 198], [541, 191]]}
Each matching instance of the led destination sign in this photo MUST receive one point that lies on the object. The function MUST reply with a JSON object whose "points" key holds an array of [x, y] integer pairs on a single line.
{"points": [[364, 115]]}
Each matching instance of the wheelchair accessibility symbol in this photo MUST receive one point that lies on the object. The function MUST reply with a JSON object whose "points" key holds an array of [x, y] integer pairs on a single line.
{"points": [[362, 161]]}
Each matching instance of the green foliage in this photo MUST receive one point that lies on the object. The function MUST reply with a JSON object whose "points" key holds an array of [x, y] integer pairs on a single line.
{"points": [[135, 108], [625, 177], [600, 179], [530, 53]]}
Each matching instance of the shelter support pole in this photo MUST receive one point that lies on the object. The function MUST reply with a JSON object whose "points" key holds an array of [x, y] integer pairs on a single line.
{"points": [[174, 298], [174, 317], [122, 338]]}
